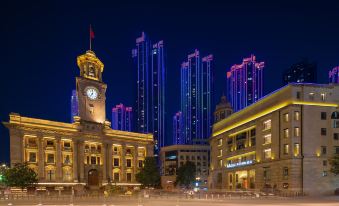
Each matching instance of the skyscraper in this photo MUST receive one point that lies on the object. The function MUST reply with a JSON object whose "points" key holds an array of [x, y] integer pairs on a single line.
{"points": [[245, 83], [151, 84], [333, 75], [122, 118], [177, 127], [303, 71], [196, 97], [74, 105]]}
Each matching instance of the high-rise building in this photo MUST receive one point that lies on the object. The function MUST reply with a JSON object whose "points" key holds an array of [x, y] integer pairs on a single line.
{"points": [[122, 118], [196, 97], [333, 75], [74, 105], [177, 129], [303, 71], [245, 83], [150, 110]]}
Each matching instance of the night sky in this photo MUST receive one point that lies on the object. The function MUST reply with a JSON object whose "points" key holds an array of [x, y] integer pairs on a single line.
{"points": [[41, 40]]}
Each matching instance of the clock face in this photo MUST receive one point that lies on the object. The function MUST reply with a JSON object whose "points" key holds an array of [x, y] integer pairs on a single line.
{"points": [[92, 93]]}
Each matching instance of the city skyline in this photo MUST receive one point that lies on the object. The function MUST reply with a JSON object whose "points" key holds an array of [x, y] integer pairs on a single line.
{"points": [[44, 71]]}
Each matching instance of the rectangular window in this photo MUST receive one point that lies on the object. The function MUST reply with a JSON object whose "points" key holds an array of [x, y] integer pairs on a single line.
{"points": [[286, 149], [219, 142], [335, 123], [116, 162], [323, 150], [286, 117], [50, 158], [129, 163], [129, 177], [296, 131], [286, 133], [298, 95], [323, 115], [67, 145], [323, 96], [50, 174], [296, 149], [267, 153], [324, 173], [285, 172], [336, 150], [253, 142], [267, 124], [268, 139], [32, 157], [115, 150], [140, 163], [336, 136], [67, 159], [93, 160], [220, 163], [98, 161], [116, 176], [296, 115], [32, 142], [323, 131], [220, 153], [50, 143]]}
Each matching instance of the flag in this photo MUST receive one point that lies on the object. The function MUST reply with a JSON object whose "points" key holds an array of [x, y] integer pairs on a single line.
{"points": [[91, 32]]}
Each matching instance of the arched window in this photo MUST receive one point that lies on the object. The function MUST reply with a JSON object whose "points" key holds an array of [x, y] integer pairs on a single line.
{"points": [[335, 115]]}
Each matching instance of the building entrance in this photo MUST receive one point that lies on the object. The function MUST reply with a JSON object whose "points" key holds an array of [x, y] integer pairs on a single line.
{"points": [[93, 177]]}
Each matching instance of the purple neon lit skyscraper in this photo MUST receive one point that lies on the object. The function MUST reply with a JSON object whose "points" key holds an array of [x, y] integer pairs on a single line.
{"points": [[151, 84], [74, 105], [122, 118], [245, 83]]}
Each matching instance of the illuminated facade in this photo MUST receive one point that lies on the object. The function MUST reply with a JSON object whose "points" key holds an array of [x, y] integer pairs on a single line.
{"points": [[122, 118], [276, 142], [245, 83], [303, 71], [333, 75], [222, 110], [150, 111], [86, 152], [174, 156], [177, 127], [74, 105], [196, 97]]}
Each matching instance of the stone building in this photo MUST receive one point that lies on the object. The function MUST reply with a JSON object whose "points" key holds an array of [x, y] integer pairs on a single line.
{"points": [[282, 142], [87, 151], [174, 156]]}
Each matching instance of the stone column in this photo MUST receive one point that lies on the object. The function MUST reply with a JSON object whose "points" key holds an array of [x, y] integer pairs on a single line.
{"points": [[123, 162], [104, 163], [81, 161], [75, 161], [58, 159], [135, 162], [109, 161], [41, 157]]}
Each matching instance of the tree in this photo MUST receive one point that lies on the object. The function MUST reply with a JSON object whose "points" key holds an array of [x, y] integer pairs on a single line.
{"points": [[186, 174], [334, 162], [20, 176], [149, 175]]}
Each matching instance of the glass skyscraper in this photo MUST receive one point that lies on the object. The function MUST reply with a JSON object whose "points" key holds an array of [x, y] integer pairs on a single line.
{"points": [[122, 118], [302, 71], [245, 83], [333, 75], [149, 59], [196, 97], [74, 105]]}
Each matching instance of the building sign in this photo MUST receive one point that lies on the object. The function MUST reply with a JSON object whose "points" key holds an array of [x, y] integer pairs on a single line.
{"points": [[239, 164]]}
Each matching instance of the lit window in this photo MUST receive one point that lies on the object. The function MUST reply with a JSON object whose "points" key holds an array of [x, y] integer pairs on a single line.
{"points": [[296, 149], [268, 139], [50, 158], [220, 163], [286, 149], [324, 173], [219, 142], [268, 153], [32, 157], [323, 96], [267, 124], [286, 133], [286, 117], [296, 116], [296, 131], [220, 153], [50, 175]]}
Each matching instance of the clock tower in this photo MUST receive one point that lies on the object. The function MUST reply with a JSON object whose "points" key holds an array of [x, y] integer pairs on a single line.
{"points": [[90, 89]]}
